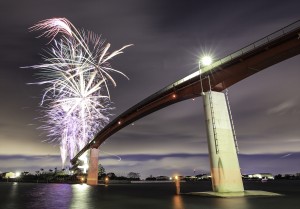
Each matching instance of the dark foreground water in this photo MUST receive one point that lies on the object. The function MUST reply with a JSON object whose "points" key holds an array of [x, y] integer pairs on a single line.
{"points": [[141, 196]]}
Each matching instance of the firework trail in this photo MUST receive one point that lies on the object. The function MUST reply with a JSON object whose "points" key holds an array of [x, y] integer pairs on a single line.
{"points": [[76, 72], [114, 155]]}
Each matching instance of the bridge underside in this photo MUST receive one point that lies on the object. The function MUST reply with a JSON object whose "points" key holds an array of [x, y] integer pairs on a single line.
{"points": [[216, 79], [220, 78]]}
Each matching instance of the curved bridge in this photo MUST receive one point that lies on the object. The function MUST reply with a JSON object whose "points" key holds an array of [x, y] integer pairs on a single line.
{"points": [[274, 48]]}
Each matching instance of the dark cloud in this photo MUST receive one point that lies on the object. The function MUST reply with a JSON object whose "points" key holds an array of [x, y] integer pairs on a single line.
{"points": [[29, 157], [168, 37], [30, 163]]}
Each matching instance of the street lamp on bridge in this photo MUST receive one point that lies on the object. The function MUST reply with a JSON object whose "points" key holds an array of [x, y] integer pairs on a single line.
{"points": [[205, 60]]}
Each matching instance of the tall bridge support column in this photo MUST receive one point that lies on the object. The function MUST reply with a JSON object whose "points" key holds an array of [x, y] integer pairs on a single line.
{"points": [[92, 178], [225, 169]]}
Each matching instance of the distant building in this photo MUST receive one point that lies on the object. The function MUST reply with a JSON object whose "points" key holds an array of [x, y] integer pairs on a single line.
{"points": [[10, 175], [259, 176], [204, 176], [190, 178]]}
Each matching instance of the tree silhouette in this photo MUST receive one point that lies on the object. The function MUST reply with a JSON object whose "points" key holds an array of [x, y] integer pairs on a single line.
{"points": [[101, 170], [133, 175]]}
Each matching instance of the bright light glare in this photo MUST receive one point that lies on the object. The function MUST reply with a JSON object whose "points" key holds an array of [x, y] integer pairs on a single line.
{"points": [[18, 174], [80, 187], [85, 165], [206, 60]]}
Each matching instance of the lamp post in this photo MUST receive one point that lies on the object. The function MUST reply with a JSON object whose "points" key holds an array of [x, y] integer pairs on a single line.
{"points": [[206, 60]]}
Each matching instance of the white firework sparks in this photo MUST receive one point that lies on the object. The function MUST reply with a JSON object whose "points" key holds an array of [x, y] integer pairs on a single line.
{"points": [[76, 72], [53, 27]]}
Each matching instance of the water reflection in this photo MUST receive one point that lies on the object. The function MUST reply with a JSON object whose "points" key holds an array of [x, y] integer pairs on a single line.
{"points": [[50, 196], [238, 202], [13, 191], [81, 196], [177, 202], [132, 196], [12, 195]]}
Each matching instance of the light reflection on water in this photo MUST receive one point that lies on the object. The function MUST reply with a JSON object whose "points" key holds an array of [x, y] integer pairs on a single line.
{"points": [[236, 202], [81, 196], [55, 196], [12, 195], [177, 202], [130, 196], [52, 196]]}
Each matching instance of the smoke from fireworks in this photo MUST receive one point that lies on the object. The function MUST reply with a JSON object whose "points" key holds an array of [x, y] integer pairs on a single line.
{"points": [[76, 72]]}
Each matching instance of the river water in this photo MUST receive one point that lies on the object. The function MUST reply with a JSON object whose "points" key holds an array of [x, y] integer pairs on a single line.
{"points": [[142, 196]]}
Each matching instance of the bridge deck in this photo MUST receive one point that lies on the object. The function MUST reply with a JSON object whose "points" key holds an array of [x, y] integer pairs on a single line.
{"points": [[272, 49]]}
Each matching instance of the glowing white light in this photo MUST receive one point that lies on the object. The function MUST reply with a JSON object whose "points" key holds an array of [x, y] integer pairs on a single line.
{"points": [[80, 187], [18, 174], [206, 60], [85, 165]]}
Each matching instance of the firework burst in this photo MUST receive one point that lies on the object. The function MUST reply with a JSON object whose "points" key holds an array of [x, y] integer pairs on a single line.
{"points": [[76, 72]]}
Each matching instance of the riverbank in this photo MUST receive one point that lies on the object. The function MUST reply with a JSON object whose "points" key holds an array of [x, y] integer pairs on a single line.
{"points": [[144, 195]]}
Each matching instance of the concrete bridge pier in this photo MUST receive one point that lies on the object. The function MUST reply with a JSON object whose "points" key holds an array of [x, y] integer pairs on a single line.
{"points": [[92, 178], [225, 169]]}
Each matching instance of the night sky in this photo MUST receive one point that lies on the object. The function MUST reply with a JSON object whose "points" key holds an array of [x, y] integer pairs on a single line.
{"points": [[168, 36]]}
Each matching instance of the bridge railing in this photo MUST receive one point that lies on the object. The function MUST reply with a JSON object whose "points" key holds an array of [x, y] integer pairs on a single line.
{"points": [[247, 49]]}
